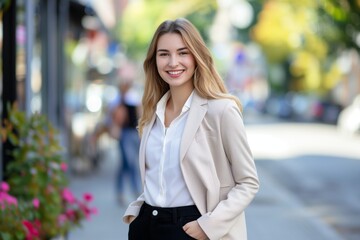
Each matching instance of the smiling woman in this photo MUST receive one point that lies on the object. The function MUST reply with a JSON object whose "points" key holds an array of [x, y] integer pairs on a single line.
{"points": [[175, 63], [176, 66], [196, 165]]}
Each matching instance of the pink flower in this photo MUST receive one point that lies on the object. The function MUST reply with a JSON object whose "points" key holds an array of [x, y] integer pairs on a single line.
{"points": [[87, 211], [6, 198], [3, 196], [32, 229], [70, 214], [68, 196], [3, 199], [88, 197], [63, 166], [62, 219], [36, 202], [4, 187], [94, 210]]}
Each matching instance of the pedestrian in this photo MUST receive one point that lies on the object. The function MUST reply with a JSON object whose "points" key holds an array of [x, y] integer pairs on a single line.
{"points": [[125, 116], [197, 169]]}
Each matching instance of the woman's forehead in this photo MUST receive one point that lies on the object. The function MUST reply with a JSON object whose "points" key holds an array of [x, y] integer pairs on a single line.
{"points": [[170, 41]]}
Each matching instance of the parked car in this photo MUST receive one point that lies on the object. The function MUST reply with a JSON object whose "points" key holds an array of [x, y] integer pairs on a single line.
{"points": [[303, 107]]}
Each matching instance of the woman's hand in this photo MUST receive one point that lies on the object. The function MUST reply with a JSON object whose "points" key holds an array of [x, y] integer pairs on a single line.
{"points": [[194, 230], [131, 218]]}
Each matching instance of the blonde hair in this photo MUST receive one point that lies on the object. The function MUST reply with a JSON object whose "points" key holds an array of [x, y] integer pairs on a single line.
{"points": [[207, 81]]}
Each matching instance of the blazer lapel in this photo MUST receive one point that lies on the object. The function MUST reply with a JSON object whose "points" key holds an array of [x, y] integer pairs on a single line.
{"points": [[197, 112], [144, 137]]}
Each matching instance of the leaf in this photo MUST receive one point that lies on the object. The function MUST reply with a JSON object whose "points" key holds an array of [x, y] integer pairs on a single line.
{"points": [[5, 236]]}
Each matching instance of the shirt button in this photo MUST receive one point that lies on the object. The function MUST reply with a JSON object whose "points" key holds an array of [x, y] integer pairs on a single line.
{"points": [[155, 213]]}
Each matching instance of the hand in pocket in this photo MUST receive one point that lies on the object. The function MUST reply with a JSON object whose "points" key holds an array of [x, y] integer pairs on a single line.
{"points": [[194, 230]]}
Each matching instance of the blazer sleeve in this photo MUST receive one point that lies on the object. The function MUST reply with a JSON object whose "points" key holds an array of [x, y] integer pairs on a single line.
{"points": [[233, 136], [134, 208]]}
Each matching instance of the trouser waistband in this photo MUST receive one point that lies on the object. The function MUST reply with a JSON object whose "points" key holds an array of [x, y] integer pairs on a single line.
{"points": [[172, 213]]}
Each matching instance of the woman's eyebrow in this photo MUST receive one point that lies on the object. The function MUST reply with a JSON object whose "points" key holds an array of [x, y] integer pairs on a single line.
{"points": [[165, 50], [184, 48]]}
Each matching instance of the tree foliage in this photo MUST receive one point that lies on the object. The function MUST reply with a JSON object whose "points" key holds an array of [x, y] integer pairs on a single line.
{"points": [[141, 18], [306, 37], [340, 23]]}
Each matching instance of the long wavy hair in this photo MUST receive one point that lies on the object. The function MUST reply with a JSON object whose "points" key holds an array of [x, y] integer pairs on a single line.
{"points": [[207, 81]]}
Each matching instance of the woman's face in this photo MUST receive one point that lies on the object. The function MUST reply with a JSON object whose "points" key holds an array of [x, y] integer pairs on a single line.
{"points": [[175, 63]]}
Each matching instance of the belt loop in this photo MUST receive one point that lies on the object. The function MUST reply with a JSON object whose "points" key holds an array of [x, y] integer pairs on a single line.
{"points": [[174, 215]]}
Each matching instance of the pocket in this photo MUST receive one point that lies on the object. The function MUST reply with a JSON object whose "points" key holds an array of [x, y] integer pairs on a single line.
{"points": [[187, 219], [137, 228], [133, 221], [139, 224], [138, 216]]}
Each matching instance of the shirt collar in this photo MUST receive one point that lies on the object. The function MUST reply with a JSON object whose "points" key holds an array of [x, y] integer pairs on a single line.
{"points": [[161, 105], [188, 103]]}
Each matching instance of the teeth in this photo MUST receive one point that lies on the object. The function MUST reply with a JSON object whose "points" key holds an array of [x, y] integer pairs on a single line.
{"points": [[174, 72]]}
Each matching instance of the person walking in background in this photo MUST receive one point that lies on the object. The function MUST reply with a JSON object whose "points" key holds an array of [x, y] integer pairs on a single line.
{"points": [[197, 169], [125, 116], [120, 123]]}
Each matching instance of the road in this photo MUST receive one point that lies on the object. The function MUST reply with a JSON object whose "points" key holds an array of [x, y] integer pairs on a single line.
{"points": [[315, 168], [309, 174]]}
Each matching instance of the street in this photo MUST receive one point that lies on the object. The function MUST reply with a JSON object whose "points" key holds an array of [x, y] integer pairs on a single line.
{"points": [[309, 186], [309, 177], [294, 66]]}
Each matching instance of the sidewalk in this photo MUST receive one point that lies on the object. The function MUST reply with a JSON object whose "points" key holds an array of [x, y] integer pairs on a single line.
{"points": [[107, 224], [276, 214]]}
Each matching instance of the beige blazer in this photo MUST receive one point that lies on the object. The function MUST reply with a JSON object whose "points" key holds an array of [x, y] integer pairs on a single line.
{"points": [[217, 165]]}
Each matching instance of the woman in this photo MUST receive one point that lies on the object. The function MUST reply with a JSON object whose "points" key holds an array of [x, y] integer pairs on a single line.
{"points": [[196, 166]]}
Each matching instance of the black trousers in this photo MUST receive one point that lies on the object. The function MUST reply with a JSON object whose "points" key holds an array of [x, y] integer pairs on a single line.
{"points": [[155, 223]]}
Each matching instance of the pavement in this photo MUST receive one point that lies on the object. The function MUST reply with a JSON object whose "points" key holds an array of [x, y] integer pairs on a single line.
{"points": [[276, 212], [107, 223]]}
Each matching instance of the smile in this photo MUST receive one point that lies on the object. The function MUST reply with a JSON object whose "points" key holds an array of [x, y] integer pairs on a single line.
{"points": [[175, 72]]}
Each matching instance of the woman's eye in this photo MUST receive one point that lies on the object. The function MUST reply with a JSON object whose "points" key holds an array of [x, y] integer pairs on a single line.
{"points": [[163, 54], [184, 53]]}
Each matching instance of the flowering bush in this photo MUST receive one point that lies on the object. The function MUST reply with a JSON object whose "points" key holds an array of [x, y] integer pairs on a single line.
{"points": [[23, 220], [35, 202]]}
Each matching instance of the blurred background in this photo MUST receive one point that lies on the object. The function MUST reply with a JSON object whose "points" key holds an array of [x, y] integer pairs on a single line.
{"points": [[294, 64]]}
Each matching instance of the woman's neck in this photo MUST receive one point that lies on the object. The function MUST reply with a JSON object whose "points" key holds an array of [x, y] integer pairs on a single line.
{"points": [[178, 98], [175, 103]]}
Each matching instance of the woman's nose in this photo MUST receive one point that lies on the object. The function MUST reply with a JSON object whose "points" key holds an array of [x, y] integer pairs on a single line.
{"points": [[173, 61]]}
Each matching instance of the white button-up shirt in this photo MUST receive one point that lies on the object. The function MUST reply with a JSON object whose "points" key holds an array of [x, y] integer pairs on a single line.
{"points": [[164, 183]]}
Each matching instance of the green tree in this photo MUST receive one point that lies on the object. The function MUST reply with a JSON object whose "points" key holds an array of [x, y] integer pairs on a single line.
{"points": [[141, 18], [305, 38], [339, 23]]}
